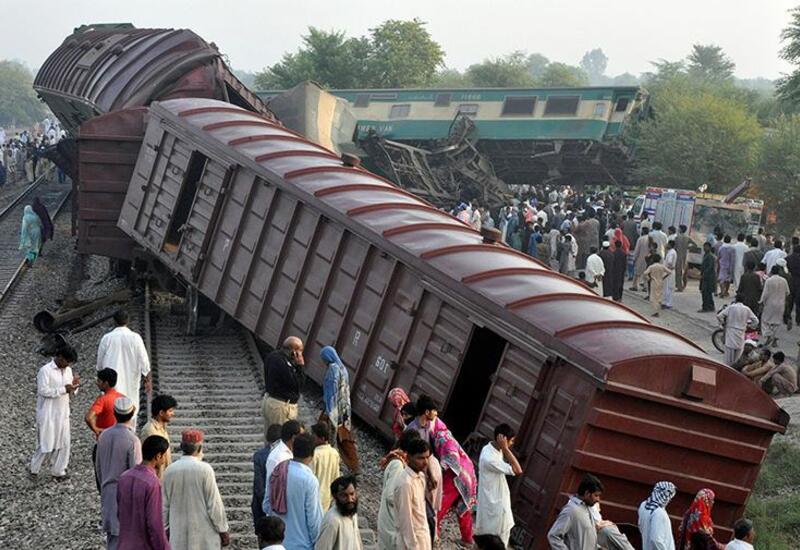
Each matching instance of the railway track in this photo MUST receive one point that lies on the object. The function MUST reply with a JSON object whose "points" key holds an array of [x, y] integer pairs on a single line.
{"points": [[12, 263], [214, 377]]}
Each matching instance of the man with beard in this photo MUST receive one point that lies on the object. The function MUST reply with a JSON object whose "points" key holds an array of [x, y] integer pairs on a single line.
{"points": [[339, 529]]}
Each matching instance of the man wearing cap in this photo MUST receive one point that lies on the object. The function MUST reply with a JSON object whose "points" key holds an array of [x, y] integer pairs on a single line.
{"points": [[194, 515], [283, 375], [118, 450], [595, 270], [750, 354]]}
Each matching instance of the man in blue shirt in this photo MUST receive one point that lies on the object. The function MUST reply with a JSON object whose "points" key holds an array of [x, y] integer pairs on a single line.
{"points": [[303, 511]]}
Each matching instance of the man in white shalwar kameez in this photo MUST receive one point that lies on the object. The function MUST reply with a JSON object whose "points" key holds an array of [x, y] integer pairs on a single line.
{"points": [[124, 351], [54, 384], [670, 262], [654, 523], [736, 318], [494, 515], [194, 514], [595, 271], [773, 303]]}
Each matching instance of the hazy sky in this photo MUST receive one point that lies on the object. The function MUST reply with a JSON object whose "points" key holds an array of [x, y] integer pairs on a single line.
{"points": [[254, 34]]}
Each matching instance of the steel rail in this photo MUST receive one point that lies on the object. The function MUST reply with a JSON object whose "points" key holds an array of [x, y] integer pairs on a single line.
{"points": [[23, 265], [36, 183]]}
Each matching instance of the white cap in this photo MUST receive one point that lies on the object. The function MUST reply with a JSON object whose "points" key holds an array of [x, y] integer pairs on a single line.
{"points": [[606, 244]]}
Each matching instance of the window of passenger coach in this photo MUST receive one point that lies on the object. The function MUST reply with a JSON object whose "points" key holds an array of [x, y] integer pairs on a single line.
{"points": [[468, 109], [362, 100], [562, 105], [443, 100], [400, 111], [518, 106], [599, 109], [622, 104]]}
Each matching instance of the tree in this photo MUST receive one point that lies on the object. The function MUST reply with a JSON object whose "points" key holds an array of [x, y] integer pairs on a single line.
{"points": [[329, 58], [709, 62], [561, 75], [397, 53], [695, 138], [594, 64], [18, 102], [450, 78], [778, 174], [403, 54], [510, 71], [537, 63], [625, 79], [789, 85]]}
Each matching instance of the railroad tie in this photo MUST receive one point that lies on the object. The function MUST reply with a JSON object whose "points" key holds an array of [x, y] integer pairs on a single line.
{"points": [[211, 375]]}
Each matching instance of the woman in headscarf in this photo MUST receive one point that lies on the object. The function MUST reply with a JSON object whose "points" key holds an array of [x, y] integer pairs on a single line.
{"points": [[620, 236], [459, 484], [398, 398], [336, 399], [44, 217], [697, 527], [30, 238], [654, 523]]}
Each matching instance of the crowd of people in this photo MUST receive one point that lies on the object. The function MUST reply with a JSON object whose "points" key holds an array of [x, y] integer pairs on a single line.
{"points": [[22, 155], [595, 238], [764, 277], [580, 524], [592, 237], [300, 497]]}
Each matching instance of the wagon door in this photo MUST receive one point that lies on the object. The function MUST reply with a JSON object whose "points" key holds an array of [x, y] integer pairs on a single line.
{"points": [[194, 213], [390, 336], [543, 440]]}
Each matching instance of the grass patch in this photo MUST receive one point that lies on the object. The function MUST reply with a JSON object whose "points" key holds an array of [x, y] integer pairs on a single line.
{"points": [[780, 473], [774, 506], [777, 522]]}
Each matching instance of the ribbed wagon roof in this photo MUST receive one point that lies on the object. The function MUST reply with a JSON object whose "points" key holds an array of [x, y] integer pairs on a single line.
{"points": [[114, 68], [607, 333]]}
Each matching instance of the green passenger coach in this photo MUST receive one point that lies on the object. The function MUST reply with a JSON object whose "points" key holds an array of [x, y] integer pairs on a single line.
{"points": [[530, 135]]}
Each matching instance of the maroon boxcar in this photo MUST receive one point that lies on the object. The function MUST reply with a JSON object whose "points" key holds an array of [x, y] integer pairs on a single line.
{"points": [[110, 71], [289, 240]]}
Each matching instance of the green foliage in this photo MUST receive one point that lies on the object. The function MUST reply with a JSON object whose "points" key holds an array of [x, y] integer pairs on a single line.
{"points": [[450, 78], [403, 54], [789, 85], [779, 176], [561, 75], [510, 71], [18, 102], [594, 64], [709, 62], [695, 137], [537, 63], [329, 58], [397, 53], [774, 506]]}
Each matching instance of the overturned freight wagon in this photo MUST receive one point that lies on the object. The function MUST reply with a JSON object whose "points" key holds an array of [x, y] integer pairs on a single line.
{"points": [[96, 82], [289, 240]]}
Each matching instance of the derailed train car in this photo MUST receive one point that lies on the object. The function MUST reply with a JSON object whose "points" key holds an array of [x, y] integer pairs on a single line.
{"points": [[96, 82], [290, 240]]}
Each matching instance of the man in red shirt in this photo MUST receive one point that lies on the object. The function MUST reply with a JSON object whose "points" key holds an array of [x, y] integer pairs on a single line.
{"points": [[101, 414]]}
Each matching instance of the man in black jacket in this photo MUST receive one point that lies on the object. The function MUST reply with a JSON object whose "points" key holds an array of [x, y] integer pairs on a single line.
{"points": [[283, 377]]}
